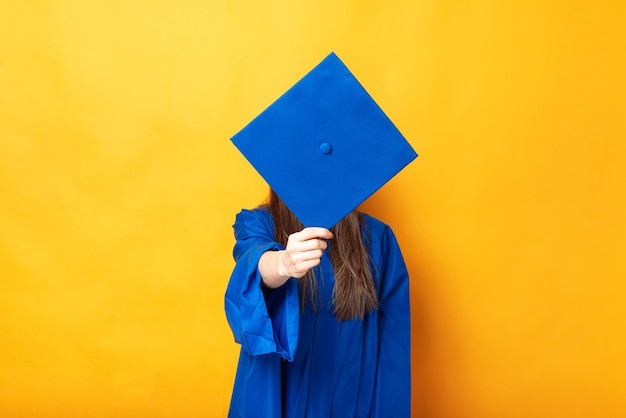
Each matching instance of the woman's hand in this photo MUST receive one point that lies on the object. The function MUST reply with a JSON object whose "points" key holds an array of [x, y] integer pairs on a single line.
{"points": [[303, 251]]}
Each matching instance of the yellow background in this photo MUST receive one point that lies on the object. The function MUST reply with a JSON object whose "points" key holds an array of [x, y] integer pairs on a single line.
{"points": [[119, 185]]}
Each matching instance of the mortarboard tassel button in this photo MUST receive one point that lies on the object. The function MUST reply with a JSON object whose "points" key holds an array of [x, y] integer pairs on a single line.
{"points": [[325, 148]]}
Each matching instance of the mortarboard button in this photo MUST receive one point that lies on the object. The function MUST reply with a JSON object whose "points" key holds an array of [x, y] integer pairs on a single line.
{"points": [[325, 148], [321, 183]]}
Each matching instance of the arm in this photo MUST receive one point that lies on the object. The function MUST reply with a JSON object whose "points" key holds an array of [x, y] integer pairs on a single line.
{"points": [[264, 323]]}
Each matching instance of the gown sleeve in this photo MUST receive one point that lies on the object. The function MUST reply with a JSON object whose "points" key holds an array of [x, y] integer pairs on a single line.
{"points": [[264, 321], [393, 380]]}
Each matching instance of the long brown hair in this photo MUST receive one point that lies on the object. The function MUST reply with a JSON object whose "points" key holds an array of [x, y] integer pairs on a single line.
{"points": [[354, 293]]}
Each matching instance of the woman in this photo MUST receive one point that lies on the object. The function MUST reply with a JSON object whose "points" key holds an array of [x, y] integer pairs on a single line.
{"points": [[322, 316]]}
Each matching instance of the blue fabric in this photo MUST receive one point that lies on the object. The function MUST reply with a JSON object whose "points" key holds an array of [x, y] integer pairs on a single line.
{"points": [[308, 364]]}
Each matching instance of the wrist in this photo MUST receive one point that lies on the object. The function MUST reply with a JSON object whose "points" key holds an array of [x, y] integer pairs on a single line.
{"points": [[273, 270], [281, 269]]}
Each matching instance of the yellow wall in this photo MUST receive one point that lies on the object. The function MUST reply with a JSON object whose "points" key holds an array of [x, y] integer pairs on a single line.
{"points": [[118, 187]]}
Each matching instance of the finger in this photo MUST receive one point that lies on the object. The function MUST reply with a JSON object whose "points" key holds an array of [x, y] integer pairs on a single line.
{"points": [[314, 232], [304, 267], [305, 256], [311, 255], [312, 244]]}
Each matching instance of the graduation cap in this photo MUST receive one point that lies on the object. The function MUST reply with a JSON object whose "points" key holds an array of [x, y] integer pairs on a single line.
{"points": [[324, 146]]}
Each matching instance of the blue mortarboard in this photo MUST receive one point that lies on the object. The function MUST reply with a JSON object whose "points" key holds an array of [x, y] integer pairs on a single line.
{"points": [[324, 146]]}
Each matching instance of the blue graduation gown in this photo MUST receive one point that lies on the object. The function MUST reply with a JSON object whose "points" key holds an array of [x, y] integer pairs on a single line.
{"points": [[309, 364]]}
